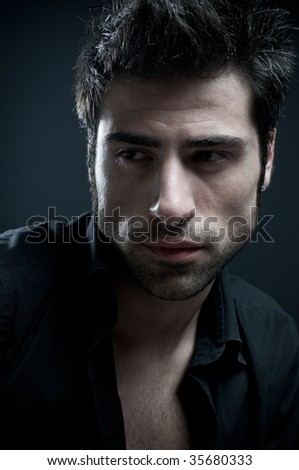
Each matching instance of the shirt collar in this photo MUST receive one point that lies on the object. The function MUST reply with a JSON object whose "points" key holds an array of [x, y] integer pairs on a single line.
{"points": [[218, 335]]}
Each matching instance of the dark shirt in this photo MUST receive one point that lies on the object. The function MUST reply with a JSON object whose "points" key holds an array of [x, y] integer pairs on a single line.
{"points": [[57, 378]]}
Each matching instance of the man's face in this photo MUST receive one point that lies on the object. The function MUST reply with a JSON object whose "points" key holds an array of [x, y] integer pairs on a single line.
{"points": [[177, 166]]}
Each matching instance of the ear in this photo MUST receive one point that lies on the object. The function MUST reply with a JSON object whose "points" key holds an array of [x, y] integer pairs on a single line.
{"points": [[270, 158]]}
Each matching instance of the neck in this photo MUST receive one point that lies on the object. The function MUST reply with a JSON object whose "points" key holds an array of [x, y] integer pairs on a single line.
{"points": [[148, 321]]}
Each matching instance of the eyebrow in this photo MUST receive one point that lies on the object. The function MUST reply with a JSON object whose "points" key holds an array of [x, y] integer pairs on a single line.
{"points": [[129, 138], [214, 141], [146, 141]]}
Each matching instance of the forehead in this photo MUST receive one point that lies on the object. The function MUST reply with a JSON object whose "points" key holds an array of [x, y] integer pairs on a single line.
{"points": [[226, 92]]}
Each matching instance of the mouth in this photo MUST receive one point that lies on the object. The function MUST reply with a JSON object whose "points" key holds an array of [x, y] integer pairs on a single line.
{"points": [[175, 252]]}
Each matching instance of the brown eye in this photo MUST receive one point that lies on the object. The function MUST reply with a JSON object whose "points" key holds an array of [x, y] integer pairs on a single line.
{"points": [[209, 156], [131, 155]]}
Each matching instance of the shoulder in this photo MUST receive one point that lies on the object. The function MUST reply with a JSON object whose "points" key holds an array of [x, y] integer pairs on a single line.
{"points": [[42, 243], [33, 259], [27, 265], [27, 251], [270, 333], [255, 307], [270, 347]]}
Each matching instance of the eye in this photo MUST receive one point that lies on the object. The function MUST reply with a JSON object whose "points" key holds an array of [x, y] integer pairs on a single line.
{"points": [[210, 156], [131, 154]]}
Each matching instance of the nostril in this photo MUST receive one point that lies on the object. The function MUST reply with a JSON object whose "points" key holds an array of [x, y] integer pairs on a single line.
{"points": [[176, 220], [191, 214], [181, 221]]}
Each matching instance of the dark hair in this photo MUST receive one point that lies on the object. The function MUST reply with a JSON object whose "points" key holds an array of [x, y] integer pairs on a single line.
{"points": [[164, 38]]}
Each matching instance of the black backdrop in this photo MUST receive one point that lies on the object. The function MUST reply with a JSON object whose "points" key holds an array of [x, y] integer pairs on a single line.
{"points": [[43, 149]]}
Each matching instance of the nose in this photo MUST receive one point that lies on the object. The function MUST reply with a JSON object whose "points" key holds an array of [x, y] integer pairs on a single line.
{"points": [[173, 193]]}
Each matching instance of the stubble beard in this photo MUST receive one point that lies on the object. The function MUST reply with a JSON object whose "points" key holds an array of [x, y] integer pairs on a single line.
{"points": [[168, 280], [174, 281]]}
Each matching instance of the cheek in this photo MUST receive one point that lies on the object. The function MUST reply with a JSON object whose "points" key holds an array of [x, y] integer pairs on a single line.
{"points": [[229, 197], [241, 200], [106, 182], [115, 191], [102, 183]]}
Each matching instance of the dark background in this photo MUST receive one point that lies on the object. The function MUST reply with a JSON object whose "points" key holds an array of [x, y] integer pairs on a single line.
{"points": [[43, 149]]}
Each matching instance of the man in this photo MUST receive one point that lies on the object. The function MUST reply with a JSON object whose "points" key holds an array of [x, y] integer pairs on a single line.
{"points": [[122, 329]]}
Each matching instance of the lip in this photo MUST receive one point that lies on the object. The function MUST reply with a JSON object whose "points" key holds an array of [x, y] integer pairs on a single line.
{"points": [[181, 251]]}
